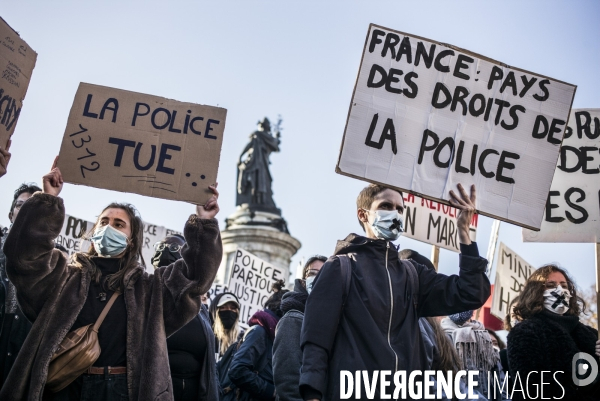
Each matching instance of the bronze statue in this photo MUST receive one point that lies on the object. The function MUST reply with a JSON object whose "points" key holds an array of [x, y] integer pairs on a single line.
{"points": [[254, 179]]}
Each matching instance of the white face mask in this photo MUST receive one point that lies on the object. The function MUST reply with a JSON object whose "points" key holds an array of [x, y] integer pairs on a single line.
{"points": [[557, 300], [388, 224], [309, 283]]}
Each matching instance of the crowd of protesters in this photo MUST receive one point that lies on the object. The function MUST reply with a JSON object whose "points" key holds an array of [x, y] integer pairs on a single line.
{"points": [[369, 307]]}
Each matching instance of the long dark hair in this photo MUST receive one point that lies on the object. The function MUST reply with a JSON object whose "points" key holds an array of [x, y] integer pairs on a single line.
{"points": [[531, 299], [133, 253]]}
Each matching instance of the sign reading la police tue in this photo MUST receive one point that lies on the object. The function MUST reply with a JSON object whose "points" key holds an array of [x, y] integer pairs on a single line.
{"points": [[149, 145], [426, 116]]}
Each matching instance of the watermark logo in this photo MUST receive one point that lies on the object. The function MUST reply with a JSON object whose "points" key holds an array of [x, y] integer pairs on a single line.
{"points": [[584, 368]]}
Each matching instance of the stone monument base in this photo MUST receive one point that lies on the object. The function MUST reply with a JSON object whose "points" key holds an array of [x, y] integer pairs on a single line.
{"points": [[261, 233]]}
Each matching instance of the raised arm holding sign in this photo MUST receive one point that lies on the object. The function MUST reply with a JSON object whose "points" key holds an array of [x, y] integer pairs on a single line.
{"points": [[62, 296]]}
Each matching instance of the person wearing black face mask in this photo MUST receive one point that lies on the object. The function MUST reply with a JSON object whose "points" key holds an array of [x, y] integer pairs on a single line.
{"points": [[168, 250], [225, 312], [192, 348]]}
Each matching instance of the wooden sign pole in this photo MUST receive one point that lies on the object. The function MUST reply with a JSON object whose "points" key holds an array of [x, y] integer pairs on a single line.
{"points": [[435, 256]]}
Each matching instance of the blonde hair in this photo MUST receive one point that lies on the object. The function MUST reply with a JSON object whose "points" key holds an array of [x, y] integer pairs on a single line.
{"points": [[225, 337]]}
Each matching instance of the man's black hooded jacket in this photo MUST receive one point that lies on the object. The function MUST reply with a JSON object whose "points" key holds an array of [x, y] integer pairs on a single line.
{"points": [[379, 322]]}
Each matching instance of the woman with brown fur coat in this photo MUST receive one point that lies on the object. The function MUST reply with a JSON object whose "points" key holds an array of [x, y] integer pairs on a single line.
{"points": [[58, 297]]}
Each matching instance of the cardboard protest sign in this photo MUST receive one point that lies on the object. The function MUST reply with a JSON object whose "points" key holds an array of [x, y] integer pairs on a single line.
{"points": [[17, 61], [132, 142], [573, 205], [72, 231], [511, 274], [251, 280], [426, 116], [433, 223]]}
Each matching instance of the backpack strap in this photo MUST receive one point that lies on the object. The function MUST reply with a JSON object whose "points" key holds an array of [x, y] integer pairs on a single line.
{"points": [[414, 281], [346, 269]]}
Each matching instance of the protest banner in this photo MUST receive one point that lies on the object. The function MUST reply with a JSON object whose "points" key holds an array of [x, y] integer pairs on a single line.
{"points": [[132, 142], [70, 235], [17, 61], [511, 274], [251, 281], [433, 223], [573, 205], [426, 116]]}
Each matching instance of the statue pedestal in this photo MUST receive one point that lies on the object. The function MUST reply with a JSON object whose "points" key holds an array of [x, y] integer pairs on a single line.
{"points": [[260, 233]]}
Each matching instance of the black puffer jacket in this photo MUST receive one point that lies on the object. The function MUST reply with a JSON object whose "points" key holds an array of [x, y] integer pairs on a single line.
{"points": [[548, 342], [356, 338]]}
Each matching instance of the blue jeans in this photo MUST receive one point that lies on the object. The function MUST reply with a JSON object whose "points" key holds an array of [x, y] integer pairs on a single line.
{"points": [[93, 388]]}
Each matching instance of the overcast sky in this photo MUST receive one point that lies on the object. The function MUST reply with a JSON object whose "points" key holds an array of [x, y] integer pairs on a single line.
{"points": [[296, 59]]}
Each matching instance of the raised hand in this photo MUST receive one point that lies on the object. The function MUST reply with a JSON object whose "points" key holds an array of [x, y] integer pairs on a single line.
{"points": [[466, 206], [210, 209], [4, 159], [52, 182]]}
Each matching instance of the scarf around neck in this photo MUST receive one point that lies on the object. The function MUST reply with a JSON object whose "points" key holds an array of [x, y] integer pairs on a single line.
{"points": [[473, 345], [266, 319]]}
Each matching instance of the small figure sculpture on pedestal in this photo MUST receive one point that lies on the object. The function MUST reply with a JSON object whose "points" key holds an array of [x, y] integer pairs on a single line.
{"points": [[254, 178]]}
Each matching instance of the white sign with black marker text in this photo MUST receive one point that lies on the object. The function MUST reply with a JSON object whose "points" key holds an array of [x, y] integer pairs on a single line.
{"points": [[434, 223], [426, 116], [251, 281], [511, 274], [573, 206]]}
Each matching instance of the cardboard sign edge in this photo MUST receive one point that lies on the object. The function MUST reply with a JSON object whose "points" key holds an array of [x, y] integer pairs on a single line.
{"points": [[338, 170]]}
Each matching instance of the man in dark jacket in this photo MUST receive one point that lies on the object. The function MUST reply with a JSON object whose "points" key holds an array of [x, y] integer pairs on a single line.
{"points": [[14, 325], [374, 326]]}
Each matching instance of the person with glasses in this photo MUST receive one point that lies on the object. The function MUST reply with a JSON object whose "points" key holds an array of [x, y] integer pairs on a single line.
{"points": [[545, 334], [14, 326], [167, 250], [192, 348]]}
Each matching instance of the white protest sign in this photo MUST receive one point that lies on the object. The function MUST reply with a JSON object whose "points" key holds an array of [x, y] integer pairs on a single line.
{"points": [[511, 274], [70, 235], [251, 281], [17, 61], [426, 116], [433, 223], [573, 206], [144, 144]]}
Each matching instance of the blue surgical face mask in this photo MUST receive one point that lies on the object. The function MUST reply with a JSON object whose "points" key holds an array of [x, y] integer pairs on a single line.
{"points": [[109, 241], [388, 224], [309, 283]]}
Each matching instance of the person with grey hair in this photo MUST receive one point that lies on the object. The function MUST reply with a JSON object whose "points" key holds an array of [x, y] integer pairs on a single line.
{"points": [[287, 354]]}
